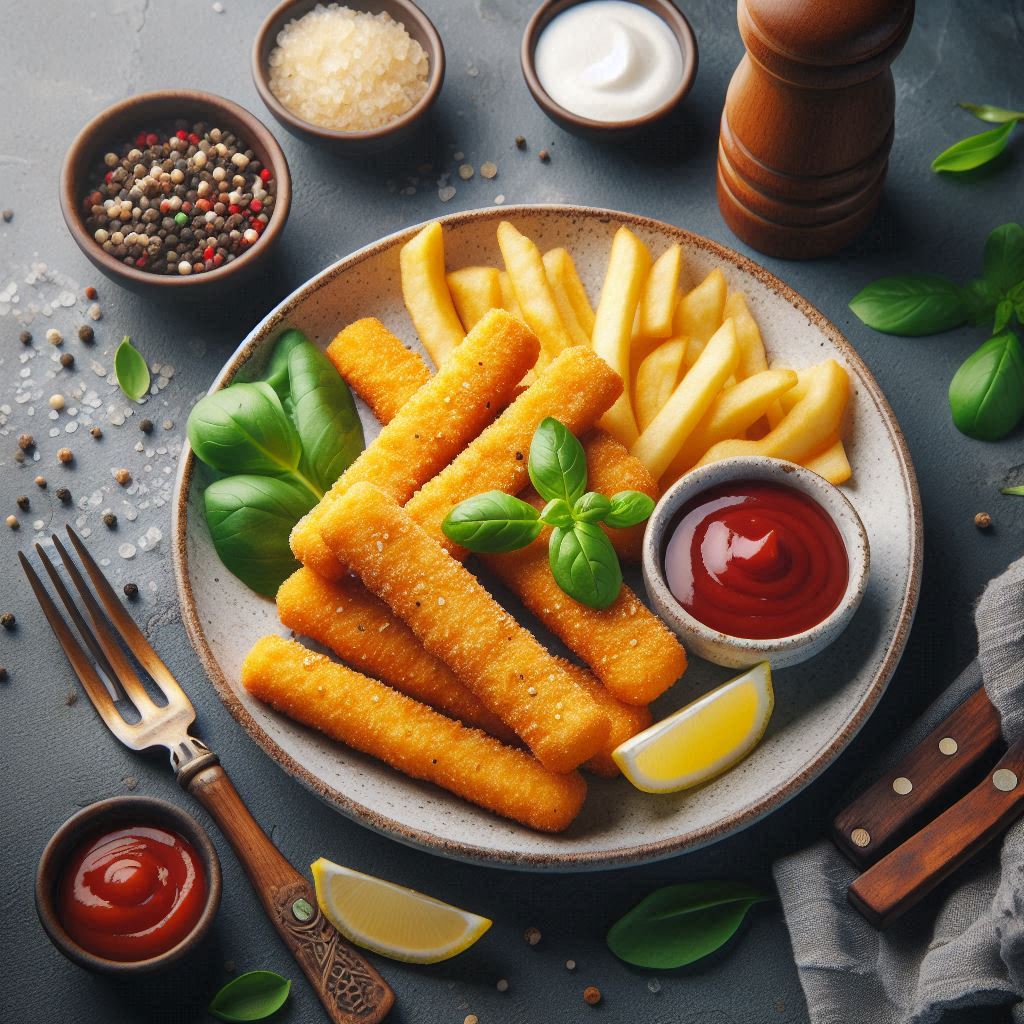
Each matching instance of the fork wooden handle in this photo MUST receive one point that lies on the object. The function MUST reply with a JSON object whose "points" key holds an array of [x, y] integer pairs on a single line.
{"points": [[350, 989]]}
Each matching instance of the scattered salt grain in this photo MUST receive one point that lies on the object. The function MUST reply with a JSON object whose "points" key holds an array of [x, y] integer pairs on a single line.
{"points": [[447, 193]]}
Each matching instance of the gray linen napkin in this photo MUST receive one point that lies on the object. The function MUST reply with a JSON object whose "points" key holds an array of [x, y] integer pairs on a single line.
{"points": [[964, 946]]}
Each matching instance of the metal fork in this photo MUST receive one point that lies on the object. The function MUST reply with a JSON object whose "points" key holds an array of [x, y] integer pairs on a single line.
{"points": [[350, 989]]}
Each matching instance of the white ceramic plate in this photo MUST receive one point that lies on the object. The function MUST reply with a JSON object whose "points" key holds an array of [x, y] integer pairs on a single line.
{"points": [[820, 704]]}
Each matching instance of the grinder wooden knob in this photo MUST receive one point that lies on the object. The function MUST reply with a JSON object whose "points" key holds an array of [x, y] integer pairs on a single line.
{"points": [[808, 122]]}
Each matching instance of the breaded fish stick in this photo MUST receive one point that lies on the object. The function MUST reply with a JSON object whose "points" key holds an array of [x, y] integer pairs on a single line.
{"points": [[377, 366], [409, 736], [459, 623], [362, 630], [475, 383]]}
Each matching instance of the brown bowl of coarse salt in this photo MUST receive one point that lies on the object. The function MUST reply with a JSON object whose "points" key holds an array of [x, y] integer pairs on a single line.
{"points": [[179, 191], [318, 67]]}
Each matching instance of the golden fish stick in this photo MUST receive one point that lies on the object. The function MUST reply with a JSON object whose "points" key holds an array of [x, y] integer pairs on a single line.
{"points": [[475, 383], [459, 622], [373, 718], [344, 616], [576, 388]]}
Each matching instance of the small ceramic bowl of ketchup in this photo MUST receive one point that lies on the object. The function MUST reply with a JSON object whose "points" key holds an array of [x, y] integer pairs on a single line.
{"points": [[755, 559], [128, 886]]}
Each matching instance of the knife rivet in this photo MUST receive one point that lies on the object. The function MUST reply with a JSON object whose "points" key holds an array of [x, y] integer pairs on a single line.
{"points": [[902, 786], [1004, 780], [860, 837], [948, 746], [302, 910]]}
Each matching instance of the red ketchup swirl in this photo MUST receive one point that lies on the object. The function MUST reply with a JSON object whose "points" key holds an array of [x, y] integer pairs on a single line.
{"points": [[132, 893], [756, 560]]}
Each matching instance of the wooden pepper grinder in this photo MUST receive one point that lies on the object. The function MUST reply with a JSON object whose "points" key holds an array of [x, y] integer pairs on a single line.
{"points": [[808, 122]]}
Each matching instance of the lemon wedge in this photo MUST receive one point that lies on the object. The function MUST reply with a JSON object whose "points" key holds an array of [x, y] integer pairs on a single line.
{"points": [[703, 739], [391, 920]]}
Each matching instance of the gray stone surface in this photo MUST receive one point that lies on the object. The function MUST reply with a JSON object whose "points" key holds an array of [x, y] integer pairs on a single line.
{"points": [[61, 63]]}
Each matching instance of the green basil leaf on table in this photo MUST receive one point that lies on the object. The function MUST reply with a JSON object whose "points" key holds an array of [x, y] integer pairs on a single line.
{"points": [[250, 519], [994, 115], [1004, 314], [680, 924], [1004, 257], [986, 395], [629, 508], [912, 305], [591, 508], [493, 523], [557, 513], [975, 150], [982, 297], [276, 373], [558, 465], [252, 996], [131, 370], [585, 564], [1018, 490], [324, 414]]}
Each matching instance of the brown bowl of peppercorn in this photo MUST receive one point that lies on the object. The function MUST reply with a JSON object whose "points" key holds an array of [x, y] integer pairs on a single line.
{"points": [[177, 189]]}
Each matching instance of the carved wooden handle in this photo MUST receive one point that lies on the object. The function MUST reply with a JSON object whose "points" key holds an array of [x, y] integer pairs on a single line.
{"points": [[887, 812], [350, 989], [911, 871]]}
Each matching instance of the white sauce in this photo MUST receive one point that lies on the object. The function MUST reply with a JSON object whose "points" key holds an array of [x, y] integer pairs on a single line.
{"points": [[608, 60]]}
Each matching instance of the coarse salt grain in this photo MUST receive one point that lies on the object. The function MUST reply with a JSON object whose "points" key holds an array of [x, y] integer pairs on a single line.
{"points": [[347, 70]]}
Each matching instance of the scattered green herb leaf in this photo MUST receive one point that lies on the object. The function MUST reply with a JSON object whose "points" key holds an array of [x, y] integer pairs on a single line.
{"points": [[590, 508], [252, 996], [131, 370], [492, 523], [680, 924], [1013, 490], [912, 305], [994, 115], [986, 395], [1004, 258], [629, 508], [557, 513], [585, 564], [558, 465], [975, 150]]}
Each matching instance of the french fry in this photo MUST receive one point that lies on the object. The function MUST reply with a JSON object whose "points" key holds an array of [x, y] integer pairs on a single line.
{"points": [[656, 379], [432, 427], [729, 415], [345, 617], [576, 389], [508, 295], [566, 310], [377, 366], [659, 443], [459, 622], [371, 717], [559, 263], [533, 293], [833, 464], [753, 358], [806, 428], [661, 294], [475, 291], [699, 313], [426, 293], [612, 336]]}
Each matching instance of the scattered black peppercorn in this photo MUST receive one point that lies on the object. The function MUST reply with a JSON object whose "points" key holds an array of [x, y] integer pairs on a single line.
{"points": [[25, 337], [19, 456], [109, 520], [26, 441], [67, 360], [520, 142], [544, 156], [131, 590], [86, 334], [146, 426], [3, 675], [7, 215], [8, 621], [23, 502], [96, 432], [983, 521], [63, 495]]}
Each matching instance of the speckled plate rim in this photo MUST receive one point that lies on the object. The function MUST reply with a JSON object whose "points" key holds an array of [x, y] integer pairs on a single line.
{"points": [[629, 856]]}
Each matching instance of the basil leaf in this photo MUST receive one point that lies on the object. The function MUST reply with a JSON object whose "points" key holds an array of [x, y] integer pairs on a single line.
{"points": [[912, 305], [324, 414], [982, 297], [249, 519], [628, 508], [975, 150], [1004, 313], [680, 924], [585, 565], [276, 374], [558, 465], [557, 513], [493, 523], [1004, 257], [243, 429], [131, 370], [986, 395], [994, 115], [1013, 490], [591, 508], [252, 996]]}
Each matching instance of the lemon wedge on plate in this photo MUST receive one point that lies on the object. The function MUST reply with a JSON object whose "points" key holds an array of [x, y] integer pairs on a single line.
{"points": [[391, 920], [703, 739]]}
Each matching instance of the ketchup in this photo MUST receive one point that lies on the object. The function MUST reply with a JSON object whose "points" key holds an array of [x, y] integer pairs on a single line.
{"points": [[132, 893], [756, 560]]}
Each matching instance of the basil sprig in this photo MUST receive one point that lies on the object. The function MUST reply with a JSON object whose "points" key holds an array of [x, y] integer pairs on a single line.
{"points": [[582, 558], [986, 395], [978, 150], [131, 370], [251, 996]]}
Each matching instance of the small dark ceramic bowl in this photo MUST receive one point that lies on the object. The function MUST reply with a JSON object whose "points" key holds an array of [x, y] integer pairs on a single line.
{"points": [[120, 123], [108, 814], [374, 140], [607, 131]]}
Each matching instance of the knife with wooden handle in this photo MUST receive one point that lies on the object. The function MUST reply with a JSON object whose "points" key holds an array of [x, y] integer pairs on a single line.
{"points": [[886, 813], [902, 878]]}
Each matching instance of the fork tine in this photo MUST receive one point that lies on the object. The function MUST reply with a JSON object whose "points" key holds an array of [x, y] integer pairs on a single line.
{"points": [[130, 633], [122, 668], [91, 682]]}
